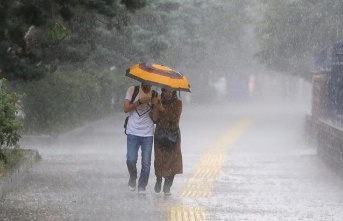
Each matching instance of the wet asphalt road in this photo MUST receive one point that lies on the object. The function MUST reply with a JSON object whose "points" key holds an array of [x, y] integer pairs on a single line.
{"points": [[241, 162]]}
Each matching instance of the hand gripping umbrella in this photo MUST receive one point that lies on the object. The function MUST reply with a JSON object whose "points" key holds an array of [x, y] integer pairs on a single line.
{"points": [[159, 75]]}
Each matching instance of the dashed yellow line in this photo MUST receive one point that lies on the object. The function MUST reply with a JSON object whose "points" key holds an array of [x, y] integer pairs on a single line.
{"points": [[201, 183]]}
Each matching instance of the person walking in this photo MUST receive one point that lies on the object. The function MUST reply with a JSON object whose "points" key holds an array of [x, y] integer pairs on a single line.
{"points": [[139, 131], [168, 157]]}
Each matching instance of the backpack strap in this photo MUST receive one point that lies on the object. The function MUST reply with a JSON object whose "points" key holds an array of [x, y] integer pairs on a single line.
{"points": [[135, 92], [134, 95]]}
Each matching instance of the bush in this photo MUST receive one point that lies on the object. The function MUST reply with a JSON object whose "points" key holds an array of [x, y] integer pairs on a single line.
{"points": [[10, 125], [13, 157], [64, 100]]}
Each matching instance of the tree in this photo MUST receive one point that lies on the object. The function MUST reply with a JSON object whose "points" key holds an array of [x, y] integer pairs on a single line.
{"points": [[10, 125], [37, 35], [290, 33], [74, 44]]}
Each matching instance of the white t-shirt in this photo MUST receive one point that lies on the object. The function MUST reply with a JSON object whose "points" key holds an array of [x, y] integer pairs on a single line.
{"points": [[140, 123]]}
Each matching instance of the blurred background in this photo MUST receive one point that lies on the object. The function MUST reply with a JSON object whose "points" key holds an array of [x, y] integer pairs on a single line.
{"points": [[67, 59]]}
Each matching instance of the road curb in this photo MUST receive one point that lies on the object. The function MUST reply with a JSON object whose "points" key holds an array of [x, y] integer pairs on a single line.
{"points": [[14, 176]]}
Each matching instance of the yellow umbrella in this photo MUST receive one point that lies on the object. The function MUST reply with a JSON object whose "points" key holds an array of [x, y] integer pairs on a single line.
{"points": [[159, 75]]}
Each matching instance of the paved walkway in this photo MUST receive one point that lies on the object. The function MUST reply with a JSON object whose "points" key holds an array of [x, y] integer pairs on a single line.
{"points": [[241, 162]]}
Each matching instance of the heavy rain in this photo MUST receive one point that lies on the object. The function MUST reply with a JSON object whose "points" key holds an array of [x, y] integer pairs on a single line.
{"points": [[260, 128]]}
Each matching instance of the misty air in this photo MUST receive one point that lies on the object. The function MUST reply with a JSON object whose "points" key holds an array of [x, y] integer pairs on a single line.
{"points": [[171, 110]]}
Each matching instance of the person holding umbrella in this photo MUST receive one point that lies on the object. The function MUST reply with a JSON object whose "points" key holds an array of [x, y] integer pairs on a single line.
{"points": [[140, 131], [166, 114], [167, 140]]}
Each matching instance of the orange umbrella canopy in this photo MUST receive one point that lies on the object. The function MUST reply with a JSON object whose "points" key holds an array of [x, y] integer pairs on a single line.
{"points": [[159, 75]]}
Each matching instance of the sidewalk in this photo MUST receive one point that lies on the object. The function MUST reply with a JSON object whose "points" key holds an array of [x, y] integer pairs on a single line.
{"points": [[264, 171]]}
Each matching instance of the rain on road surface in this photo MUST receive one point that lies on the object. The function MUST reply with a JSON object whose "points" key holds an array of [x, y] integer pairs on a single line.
{"points": [[241, 162]]}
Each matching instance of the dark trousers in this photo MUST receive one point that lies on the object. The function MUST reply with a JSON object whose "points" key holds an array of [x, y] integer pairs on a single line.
{"points": [[168, 182]]}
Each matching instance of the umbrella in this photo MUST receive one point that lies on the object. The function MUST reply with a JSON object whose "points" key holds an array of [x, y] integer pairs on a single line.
{"points": [[159, 75]]}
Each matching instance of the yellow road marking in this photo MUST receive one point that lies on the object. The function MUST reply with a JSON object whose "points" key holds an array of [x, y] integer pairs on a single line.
{"points": [[211, 163], [186, 213], [201, 183], [212, 160], [197, 189]]}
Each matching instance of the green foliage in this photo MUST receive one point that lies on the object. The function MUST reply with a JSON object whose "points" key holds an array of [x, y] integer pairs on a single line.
{"points": [[134, 4], [72, 40], [13, 156], [37, 157], [39, 33], [10, 125], [64, 100], [57, 31]]}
